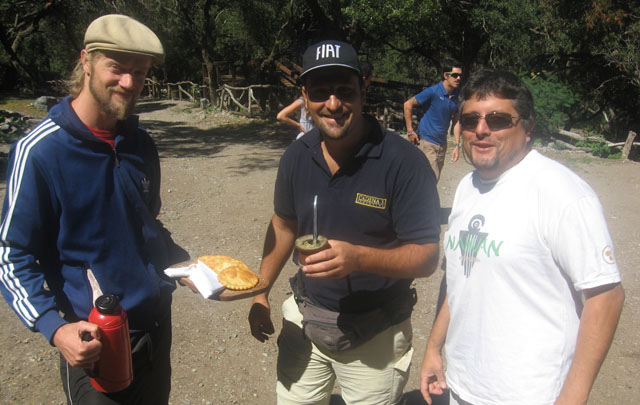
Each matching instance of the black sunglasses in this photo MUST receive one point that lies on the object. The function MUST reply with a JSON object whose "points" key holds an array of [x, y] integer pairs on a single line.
{"points": [[454, 75], [495, 120], [320, 94]]}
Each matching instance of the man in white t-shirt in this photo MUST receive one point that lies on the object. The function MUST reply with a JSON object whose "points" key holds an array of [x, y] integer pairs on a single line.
{"points": [[533, 291]]}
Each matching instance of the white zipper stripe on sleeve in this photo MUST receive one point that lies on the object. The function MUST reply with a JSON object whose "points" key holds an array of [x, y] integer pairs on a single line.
{"points": [[27, 142], [20, 301]]}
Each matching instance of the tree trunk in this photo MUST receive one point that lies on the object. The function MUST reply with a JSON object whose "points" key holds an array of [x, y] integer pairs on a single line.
{"points": [[212, 78], [16, 63], [26, 20]]}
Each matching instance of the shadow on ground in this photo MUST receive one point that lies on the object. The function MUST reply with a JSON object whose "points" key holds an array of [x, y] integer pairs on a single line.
{"points": [[182, 140], [185, 131], [145, 106]]}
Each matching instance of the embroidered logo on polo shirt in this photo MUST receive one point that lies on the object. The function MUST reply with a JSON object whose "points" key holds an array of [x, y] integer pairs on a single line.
{"points": [[371, 201]]}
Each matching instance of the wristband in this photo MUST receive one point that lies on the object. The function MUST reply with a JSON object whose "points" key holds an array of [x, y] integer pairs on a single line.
{"points": [[457, 145]]}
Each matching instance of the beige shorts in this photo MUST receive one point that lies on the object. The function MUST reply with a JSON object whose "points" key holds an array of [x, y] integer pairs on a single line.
{"points": [[374, 373], [435, 155]]}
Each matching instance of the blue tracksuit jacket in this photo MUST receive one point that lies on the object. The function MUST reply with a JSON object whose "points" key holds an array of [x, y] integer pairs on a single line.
{"points": [[79, 215]]}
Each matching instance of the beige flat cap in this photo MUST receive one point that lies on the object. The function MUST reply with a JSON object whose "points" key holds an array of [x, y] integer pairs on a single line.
{"points": [[115, 32]]}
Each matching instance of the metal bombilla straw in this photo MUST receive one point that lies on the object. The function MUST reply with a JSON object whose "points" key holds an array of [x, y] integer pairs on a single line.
{"points": [[315, 219]]}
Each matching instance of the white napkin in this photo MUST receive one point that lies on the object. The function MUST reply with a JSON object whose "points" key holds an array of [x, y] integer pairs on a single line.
{"points": [[205, 279]]}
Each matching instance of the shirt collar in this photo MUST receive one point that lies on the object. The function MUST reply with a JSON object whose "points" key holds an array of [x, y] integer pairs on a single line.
{"points": [[371, 148]]}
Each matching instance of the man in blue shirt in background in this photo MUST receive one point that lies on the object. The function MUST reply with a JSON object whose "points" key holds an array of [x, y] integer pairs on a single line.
{"points": [[440, 101]]}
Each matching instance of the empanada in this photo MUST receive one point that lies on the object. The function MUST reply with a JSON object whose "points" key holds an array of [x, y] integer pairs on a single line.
{"points": [[237, 278], [217, 263]]}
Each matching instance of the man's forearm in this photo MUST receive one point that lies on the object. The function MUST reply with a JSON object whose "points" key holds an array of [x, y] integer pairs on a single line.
{"points": [[456, 132], [287, 120], [408, 115], [278, 245], [438, 334], [432, 379], [406, 261], [597, 327]]}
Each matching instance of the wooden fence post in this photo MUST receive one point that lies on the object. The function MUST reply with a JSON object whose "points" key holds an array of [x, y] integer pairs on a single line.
{"points": [[385, 120], [627, 145]]}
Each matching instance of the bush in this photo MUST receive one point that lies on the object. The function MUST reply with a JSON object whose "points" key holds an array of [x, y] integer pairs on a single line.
{"points": [[600, 148], [553, 100]]}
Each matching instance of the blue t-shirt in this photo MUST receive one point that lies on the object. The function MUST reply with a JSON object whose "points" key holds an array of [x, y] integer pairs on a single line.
{"points": [[385, 196], [441, 106]]}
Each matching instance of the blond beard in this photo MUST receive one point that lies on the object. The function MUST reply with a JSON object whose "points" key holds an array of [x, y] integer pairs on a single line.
{"points": [[107, 104]]}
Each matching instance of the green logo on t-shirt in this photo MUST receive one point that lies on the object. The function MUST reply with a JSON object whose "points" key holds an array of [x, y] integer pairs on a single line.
{"points": [[471, 241]]}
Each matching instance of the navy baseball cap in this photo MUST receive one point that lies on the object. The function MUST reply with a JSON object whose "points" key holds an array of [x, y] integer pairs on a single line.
{"points": [[329, 53]]}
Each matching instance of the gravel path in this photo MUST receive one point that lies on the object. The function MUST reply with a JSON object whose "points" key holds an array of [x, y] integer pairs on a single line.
{"points": [[217, 190]]}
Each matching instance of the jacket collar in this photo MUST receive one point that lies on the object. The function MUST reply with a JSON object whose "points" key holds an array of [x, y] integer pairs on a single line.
{"points": [[64, 116]]}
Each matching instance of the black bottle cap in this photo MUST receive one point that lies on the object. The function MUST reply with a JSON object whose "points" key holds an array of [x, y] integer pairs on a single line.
{"points": [[107, 304]]}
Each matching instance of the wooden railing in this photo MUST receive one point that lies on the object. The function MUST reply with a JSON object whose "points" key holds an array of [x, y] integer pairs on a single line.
{"points": [[176, 91], [244, 100], [261, 99]]}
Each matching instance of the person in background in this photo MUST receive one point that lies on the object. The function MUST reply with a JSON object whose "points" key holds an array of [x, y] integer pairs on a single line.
{"points": [[305, 122], [80, 218], [378, 207], [533, 292], [440, 101]]}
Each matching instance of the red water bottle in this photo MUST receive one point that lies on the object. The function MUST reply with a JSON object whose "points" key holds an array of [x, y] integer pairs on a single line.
{"points": [[113, 372]]}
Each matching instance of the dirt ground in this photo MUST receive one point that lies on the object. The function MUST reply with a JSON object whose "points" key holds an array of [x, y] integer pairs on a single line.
{"points": [[217, 190]]}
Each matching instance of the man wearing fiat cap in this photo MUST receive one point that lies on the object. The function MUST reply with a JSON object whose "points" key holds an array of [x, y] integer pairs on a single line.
{"points": [[349, 318], [80, 217], [533, 291]]}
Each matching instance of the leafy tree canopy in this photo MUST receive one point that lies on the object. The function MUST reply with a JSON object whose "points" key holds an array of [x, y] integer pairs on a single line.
{"points": [[584, 53]]}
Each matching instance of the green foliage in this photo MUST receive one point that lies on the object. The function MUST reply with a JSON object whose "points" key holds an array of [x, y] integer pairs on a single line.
{"points": [[599, 147], [553, 101], [540, 141], [399, 38], [507, 28], [595, 46], [588, 49], [390, 15]]}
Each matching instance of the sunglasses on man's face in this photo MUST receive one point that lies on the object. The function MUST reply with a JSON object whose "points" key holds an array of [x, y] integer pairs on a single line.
{"points": [[495, 120], [454, 75], [322, 93]]}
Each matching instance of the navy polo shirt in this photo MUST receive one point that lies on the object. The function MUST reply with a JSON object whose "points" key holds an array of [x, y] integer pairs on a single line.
{"points": [[441, 106], [384, 197]]}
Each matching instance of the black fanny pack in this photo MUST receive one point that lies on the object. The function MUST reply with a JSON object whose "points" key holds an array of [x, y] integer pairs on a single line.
{"points": [[335, 331]]}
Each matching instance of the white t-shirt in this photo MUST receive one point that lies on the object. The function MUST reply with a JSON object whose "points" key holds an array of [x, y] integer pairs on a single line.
{"points": [[518, 252]]}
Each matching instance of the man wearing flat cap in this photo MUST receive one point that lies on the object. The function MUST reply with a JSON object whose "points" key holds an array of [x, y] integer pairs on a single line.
{"points": [[349, 318], [79, 219]]}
